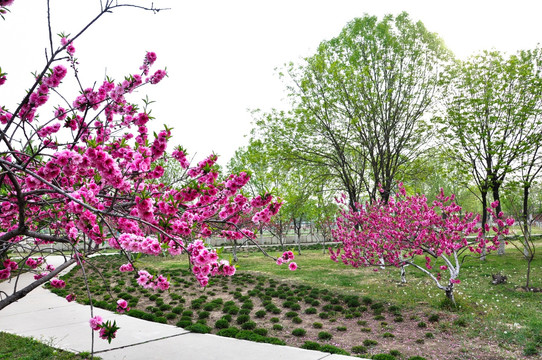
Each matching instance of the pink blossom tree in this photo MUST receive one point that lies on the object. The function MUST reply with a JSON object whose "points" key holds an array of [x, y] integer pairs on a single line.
{"points": [[86, 175], [406, 228]]}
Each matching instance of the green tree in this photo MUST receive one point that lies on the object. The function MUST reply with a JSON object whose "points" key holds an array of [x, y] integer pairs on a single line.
{"points": [[490, 104], [359, 104], [290, 183]]}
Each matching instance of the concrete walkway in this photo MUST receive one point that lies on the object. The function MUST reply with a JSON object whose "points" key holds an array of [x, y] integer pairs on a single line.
{"points": [[52, 320]]}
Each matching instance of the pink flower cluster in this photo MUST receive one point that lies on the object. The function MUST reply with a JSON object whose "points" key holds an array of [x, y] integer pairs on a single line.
{"points": [[9, 266], [205, 263], [180, 155], [107, 330], [4, 116], [126, 267], [137, 244], [70, 49], [286, 257], [265, 215], [57, 283], [148, 281], [122, 306], [48, 130], [71, 297], [5, 3], [150, 58], [34, 263]]}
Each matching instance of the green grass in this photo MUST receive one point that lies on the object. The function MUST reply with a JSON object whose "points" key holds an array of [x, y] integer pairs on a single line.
{"points": [[22, 348], [500, 310]]}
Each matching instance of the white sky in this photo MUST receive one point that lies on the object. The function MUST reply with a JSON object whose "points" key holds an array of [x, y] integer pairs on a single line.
{"points": [[221, 54]]}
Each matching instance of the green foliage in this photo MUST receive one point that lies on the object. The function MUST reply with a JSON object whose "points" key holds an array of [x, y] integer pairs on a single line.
{"points": [[222, 324], [229, 332], [324, 335], [299, 332], [369, 342], [16, 347], [310, 345], [359, 349], [383, 357], [199, 328]]}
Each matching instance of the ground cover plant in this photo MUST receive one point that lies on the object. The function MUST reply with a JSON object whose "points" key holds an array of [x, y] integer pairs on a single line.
{"points": [[17, 347], [360, 312]]}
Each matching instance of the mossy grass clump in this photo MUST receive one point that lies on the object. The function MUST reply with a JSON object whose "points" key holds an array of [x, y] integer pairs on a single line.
{"points": [[370, 342], [359, 349], [324, 335]]}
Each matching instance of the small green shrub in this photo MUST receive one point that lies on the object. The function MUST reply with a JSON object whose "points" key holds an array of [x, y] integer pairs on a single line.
{"points": [[184, 323], [429, 335], [249, 325], [323, 335], [359, 349], [388, 335], [383, 357], [420, 341], [297, 320], [324, 315], [260, 331], [241, 319], [229, 332], [299, 332], [421, 324], [311, 345], [291, 314], [317, 325], [434, 317], [199, 328], [260, 314], [310, 311], [341, 328], [416, 358], [333, 349], [274, 319], [369, 342], [395, 353], [222, 324], [203, 314], [365, 329], [277, 327]]}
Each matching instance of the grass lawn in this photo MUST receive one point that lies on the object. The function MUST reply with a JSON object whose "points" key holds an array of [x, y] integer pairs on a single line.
{"points": [[357, 310], [22, 348]]}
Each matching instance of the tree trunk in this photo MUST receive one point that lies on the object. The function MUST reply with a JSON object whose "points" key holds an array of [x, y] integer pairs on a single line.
{"points": [[403, 274], [526, 224], [234, 251], [483, 194], [495, 186], [450, 293]]}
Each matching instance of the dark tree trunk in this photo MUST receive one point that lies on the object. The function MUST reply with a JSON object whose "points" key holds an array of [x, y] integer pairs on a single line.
{"points": [[495, 185], [483, 194]]}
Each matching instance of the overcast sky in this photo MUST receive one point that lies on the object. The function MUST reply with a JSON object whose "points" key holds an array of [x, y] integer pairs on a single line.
{"points": [[221, 55]]}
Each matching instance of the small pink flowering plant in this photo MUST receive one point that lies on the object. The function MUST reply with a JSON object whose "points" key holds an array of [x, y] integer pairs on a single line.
{"points": [[395, 233]]}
